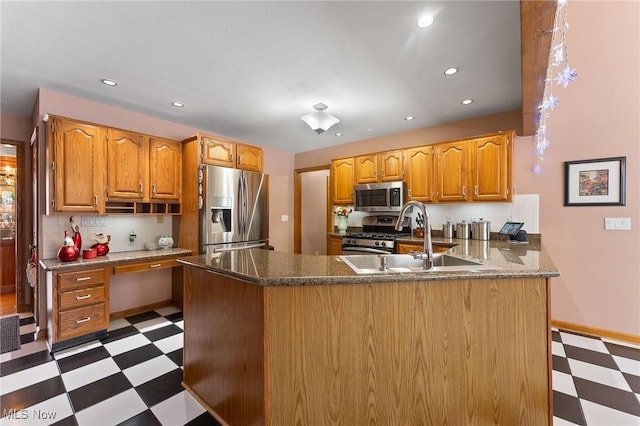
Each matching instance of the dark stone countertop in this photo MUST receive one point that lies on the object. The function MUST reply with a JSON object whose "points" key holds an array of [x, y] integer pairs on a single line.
{"points": [[270, 268], [112, 258]]}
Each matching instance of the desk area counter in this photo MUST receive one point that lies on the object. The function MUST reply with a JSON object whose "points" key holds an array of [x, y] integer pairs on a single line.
{"points": [[269, 268], [114, 258]]}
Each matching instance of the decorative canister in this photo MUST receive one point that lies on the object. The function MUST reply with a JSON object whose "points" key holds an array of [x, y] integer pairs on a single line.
{"points": [[463, 230], [448, 230], [481, 230], [165, 241]]}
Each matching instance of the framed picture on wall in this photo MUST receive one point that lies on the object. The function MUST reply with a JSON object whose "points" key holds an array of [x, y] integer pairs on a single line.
{"points": [[598, 182]]}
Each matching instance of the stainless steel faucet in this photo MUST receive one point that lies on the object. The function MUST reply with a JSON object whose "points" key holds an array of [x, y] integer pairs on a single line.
{"points": [[427, 254]]}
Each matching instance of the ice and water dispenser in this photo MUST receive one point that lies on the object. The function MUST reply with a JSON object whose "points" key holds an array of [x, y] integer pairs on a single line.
{"points": [[221, 210]]}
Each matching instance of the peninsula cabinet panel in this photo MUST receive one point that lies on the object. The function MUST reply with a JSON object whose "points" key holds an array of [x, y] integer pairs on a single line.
{"points": [[491, 159], [127, 165], [422, 353], [217, 152], [419, 176], [452, 163], [165, 169], [342, 174], [77, 166]]}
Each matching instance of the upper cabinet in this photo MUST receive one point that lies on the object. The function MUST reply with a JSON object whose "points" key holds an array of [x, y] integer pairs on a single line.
{"points": [[165, 166], [342, 173], [419, 177], [226, 153], [491, 162], [127, 165], [381, 167], [465, 170], [451, 168], [103, 170], [249, 157], [77, 165]]}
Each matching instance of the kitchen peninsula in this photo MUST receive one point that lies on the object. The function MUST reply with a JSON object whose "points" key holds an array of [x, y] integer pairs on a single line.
{"points": [[277, 338]]}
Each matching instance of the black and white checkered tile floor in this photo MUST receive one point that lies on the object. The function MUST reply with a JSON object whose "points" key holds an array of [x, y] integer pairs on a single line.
{"points": [[133, 378]]}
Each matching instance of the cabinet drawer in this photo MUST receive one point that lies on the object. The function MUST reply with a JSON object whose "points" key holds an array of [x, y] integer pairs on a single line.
{"points": [[81, 297], [84, 278], [79, 321], [145, 266]]}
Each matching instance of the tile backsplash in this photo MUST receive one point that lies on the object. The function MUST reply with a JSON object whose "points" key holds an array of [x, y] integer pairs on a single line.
{"points": [[147, 230]]}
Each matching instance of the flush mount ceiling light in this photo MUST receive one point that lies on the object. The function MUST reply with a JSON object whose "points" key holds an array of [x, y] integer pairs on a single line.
{"points": [[319, 121], [425, 21], [108, 82]]}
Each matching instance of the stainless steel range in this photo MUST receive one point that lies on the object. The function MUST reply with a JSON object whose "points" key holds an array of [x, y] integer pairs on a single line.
{"points": [[378, 235]]}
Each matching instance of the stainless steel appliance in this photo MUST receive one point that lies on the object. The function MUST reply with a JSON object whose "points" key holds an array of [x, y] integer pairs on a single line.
{"points": [[234, 209], [378, 236], [379, 197]]}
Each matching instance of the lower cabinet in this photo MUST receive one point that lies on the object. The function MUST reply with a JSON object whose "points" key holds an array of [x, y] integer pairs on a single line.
{"points": [[80, 308], [334, 245]]}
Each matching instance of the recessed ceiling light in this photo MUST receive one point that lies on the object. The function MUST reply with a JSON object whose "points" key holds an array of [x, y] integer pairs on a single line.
{"points": [[177, 104], [338, 134], [466, 101], [409, 118], [450, 71], [425, 21], [109, 82]]}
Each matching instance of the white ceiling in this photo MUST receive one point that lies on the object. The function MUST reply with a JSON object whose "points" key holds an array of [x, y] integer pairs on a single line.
{"points": [[250, 70]]}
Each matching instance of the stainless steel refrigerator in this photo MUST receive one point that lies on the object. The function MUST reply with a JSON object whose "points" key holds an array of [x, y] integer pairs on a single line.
{"points": [[234, 209]]}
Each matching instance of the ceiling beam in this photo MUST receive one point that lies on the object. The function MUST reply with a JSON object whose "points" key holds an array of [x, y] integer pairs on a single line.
{"points": [[536, 32]]}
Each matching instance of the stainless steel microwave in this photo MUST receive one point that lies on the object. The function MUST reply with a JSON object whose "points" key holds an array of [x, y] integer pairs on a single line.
{"points": [[379, 197]]}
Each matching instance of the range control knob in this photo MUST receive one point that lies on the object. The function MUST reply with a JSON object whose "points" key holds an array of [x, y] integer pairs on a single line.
{"points": [[377, 243], [384, 244]]}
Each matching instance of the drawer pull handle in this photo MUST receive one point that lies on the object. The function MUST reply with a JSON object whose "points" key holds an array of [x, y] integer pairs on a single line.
{"points": [[83, 297], [155, 265], [83, 279], [80, 321]]}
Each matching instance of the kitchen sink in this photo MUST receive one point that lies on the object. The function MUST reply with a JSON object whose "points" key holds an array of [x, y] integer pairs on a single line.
{"points": [[405, 263]]}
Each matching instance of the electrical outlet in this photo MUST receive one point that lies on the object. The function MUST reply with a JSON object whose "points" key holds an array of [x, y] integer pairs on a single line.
{"points": [[617, 223], [159, 219]]}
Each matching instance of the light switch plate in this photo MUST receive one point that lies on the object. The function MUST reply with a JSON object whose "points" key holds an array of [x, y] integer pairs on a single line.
{"points": [[617, 223], [284, 218]]}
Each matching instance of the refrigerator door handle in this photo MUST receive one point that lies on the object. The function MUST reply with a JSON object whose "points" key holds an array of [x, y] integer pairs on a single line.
{"points": [[236, 248]]}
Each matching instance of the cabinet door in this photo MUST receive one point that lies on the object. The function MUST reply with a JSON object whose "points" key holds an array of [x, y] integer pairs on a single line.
{"points": [[128, 160], [334, 246], [217, 152], [391, 166], [342, 172], [420, 173], [490, 168], [79, 152], [165, 169], [452, 164], [249, 157], [366, 168]]}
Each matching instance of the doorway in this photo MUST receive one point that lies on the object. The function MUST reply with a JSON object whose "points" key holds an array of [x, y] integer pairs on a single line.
{"points": [[15, 224], [311, 218]]}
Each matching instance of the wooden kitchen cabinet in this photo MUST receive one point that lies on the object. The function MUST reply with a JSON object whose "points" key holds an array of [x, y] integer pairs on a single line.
{"points": [[127, 165], [334, 245], [80, 310], [227, 153], [77, 166], [419, 176], [342, 175], [381, 167], [249, 157], [165, 169], [491, 162], [451, 168]]}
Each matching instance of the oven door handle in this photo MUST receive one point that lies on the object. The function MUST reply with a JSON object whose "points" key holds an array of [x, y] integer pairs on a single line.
{"points": [[366, 250]]}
